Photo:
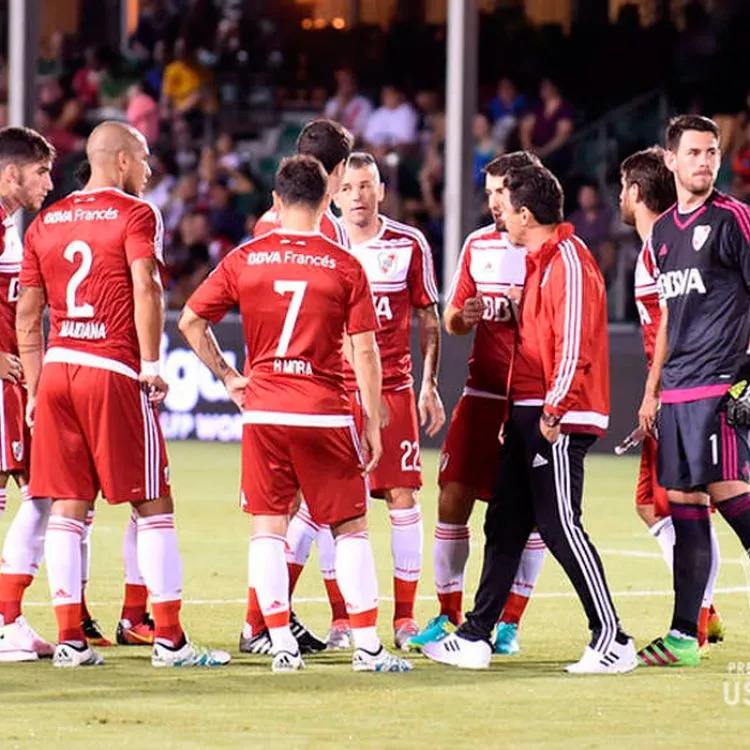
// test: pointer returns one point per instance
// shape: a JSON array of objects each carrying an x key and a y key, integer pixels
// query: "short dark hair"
[
  {"x": 83, "y": 173},
  {"x": 501, "y": 165},
  {"x": 301, "y": 181},
  {"x": 326, "y": 140},
  {"x": 24, "y": 146},
  {"x": 538, "y": 190},
  {"x": 362, "y": 160},
  {"x": 682, "y": 123},
  {"x": 655, "y": 182}
]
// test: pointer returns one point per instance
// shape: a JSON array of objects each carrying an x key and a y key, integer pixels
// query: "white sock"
[
  {"x": 450, "y": 555},
  {"x": 23, "y": 549},
  {"x": 130, "y": 553},
  {"x": 86, "y": 549},
  {"x": 358, "y": 581},
  {"x": 300, "y": 535},
  {"x": 326, "y": 553},
  {"x": 663, "y": 532},
  {"x": 62, "y": 548},
  {"x": 407, "y": 536},
  {"x": 530, "y": 566},
  {"x": 708, "y": 596},
  {"x": 159, "y": 558},
  {"x": 3, "y": 500},
  {"x": 270, "y": 579}
]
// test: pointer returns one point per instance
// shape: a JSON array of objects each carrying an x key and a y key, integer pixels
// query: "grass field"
[{"x": 525, "y": 701}]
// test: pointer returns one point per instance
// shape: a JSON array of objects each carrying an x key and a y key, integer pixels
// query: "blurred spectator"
[
  {"x": 156, "y": 23},
  {"x": 348, "y": 107},
  {"x": 549, "y": 125},
  {"x": 114, "y": 79},
  {"x": 50, "y": 63},
  {"x": 226, "y": 221},
  {"x": 228, "y": 158},
  {"x": 741, "y": 167},
  {"x": 161, "y": 183},
  {"x": 432, "y": 174},
  {"x": 185, "y": 86},
  {"x": 154, "y": 76},
  {"x": 485, "y": 147},
  {"x": 592, "y": 219},
  {"x": 250, "y": 199},
  {"x": 185, "y": 152},
  {"x": 191, "y": 274},
  {"x": 143, "y": 113},
  {"x": 506, "y": 108},
  {"x": 182, "y": 201},
  {"x": 86, "y": 80},
  {"x": 393, "y": 125}
]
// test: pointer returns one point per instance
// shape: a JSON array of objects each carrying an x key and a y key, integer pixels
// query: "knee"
[
  {"x": 455, "y": 504},
  {"x": 402, "y": 498}
]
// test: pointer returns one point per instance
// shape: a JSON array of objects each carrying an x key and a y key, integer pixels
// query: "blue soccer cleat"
[
  {"x": 506, "y": 639},
  {"x": 437, "y": 629}
]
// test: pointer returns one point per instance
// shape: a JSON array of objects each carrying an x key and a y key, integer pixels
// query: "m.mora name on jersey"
[{"x": 680, "y": 283}]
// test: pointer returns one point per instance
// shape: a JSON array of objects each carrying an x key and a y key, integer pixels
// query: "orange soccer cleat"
[
  {"x": 94, "y": 634},
  {"x": 140, "y": 634}
]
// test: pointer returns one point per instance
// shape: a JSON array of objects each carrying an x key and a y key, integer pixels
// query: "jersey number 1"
[
  {"x": 74, "y": 249},
  {"x": 297, "y": 289}
]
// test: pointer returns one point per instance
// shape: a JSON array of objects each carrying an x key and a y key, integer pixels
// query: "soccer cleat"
[
  {"x": 380, "y": 661},
  {"x": 188, "y": 655},
  {"x": 308, "y": 642},
  {"x": 715, "y": 626},
  {"x": 67, "y": 656},
  {"x": 618, "y": 659},
  {"x": 458, "y": 651},
  {"x": 286, "y": 661},
  {"x": 437, "y": 629},
  {"x": 140, "y": 634},
  {"x": 506, "y": 639},
  {"x": 258, "y": 644},
  {"x": 670, "y": 651},
  {"x": 403, "y": 633},
  {"x": 339, "y": 637},
  {"x": 94, "y": 634},
  {"x": 20, "y": 642}
]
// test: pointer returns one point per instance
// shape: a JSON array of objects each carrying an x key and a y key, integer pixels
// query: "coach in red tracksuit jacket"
[{"x": 559, "y": 393}]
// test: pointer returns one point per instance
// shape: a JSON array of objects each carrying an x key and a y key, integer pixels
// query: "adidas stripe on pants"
[{"x": 540, "y": 484}]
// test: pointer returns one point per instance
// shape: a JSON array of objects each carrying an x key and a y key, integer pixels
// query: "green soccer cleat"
[
  {"x": 437, "y": 628},
  {"x": 670, "y": 651},
  {"x": 506, "y": 639},
  {"x": 715, "y": 626}
]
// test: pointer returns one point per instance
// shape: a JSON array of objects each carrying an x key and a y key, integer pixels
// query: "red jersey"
[
  {"x": 298, "y": 293},
  {"x": 398, "y": 263},
  {"x": 11, "y": 252},
  {"x": 330, "y": 226},
  {"x": 79, "y": 250},
  {"x": 562, "y": 355},
  {"x": 488, "y": 266},
  {"x": 647, "y": 298}
]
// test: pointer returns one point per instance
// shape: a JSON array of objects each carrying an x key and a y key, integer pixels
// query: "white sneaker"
[
  {"x": 339, "y": 637},
  {"x": 68, "y": 656},
  {"x": 189, "y": 655},
  {"x": 20, "y": 642},
  {"x": 380, "y": 661},
  {"x": 619, "y": 658},
  {"x": 286, "y": 661},
  {"x": 459, "y": 652}
]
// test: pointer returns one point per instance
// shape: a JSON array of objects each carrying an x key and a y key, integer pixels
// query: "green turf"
[{"x": 524, "y": 701}]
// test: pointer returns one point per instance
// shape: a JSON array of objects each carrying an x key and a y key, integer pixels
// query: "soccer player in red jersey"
[
  {"x": 648, "y": 190},
  {"x": 25, "y": 163},
  {"x": 93, "y": 258},
  {"x": 398, "y": 262},
  {"x": 490, "y": 270},
  {"x": 299, "y": 294}
]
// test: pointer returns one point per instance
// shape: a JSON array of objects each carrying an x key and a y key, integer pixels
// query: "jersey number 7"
[{"x": 297, "y": 289}]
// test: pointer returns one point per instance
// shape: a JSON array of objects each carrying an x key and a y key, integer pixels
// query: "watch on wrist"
[{"x": 551, "y": 420}]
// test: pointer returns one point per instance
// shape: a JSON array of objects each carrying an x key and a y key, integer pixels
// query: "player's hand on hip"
[
  {"x": 647, "y": 412},
  {"x": 10, "y": 368},
  {"x": 235, "y": 385},
  {"x": 472, "y": 311},
  {"x": 431, "y": 410},
  {"x": 155, "y": 386},
  {"x": 372, "y": 445}
]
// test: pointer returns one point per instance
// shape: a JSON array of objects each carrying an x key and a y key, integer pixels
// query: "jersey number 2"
[
  {"x": 74, "y": 249},
  {"x": 297, "y": 289}
]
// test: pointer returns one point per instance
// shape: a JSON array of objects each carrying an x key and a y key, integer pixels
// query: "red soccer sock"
[
  {"x": 254, "y": 617},
  {"x": 336, "y": 600},
  {"x": 12, "y": 589},
  {"x": 167, "y": 626},
  {"x": 295, "y": 571},
  {"x": 69, "y": 628},
  {"x": 134, "y": 604},
  {"x": 451, "y": 605},
  {"x": 515, "y": 605},
  {"x": 405, "y": 596}
]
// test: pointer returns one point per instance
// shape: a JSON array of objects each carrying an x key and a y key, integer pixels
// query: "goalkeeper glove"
[{"x": 736, "y": 402}]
